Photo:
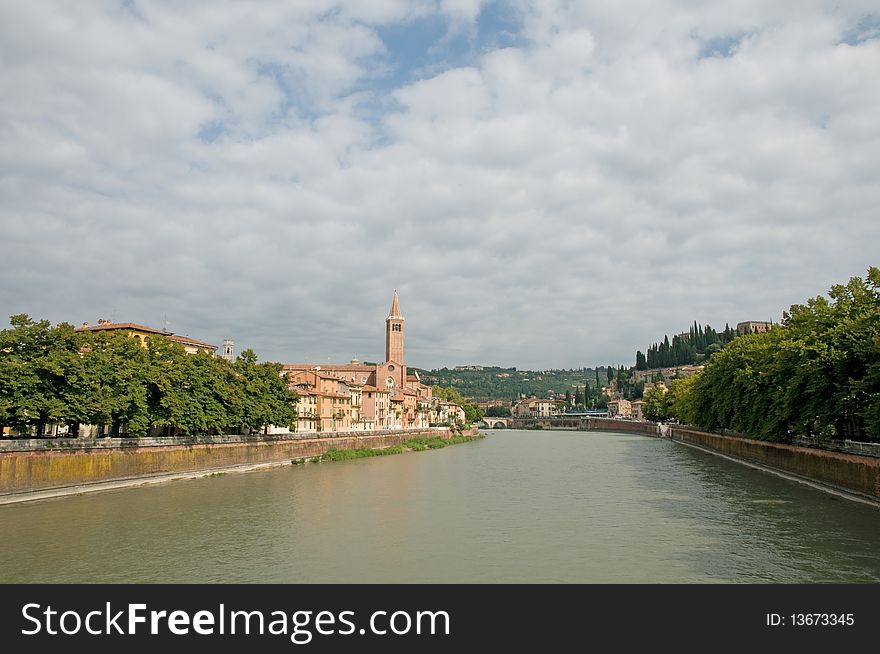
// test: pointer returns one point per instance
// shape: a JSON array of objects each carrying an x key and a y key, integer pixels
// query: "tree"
[
  {"x": 58, "y": 375},
  {"x": 818, "y": 373},
  {"x": 498, "y": 412},
  {"x": 609, "y": 372},
  {"x": 641, "y": 361},
  {"x": 472, "y": 412},
  {"x": 36, "y": 361},
  {"x": 113, "y": 384},
  {"x": 268, "y": 401},
  {"x": 657, "y": 407}
]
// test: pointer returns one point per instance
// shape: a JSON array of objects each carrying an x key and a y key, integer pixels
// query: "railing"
[
  {"x": 848, "y": 447},
  {"x": 43, "y": 444}
]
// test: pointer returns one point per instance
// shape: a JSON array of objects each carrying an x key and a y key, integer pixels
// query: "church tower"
[{"x": 394, "y": 333}]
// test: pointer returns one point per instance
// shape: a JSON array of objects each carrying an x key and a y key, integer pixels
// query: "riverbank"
[
  {"x": 412, "y": 445},
  {"x": 72, "y": 467},
  {"x": 850, "y": 475}
]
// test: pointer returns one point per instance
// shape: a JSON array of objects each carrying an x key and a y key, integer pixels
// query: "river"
[{"x": 519, "y": 506}]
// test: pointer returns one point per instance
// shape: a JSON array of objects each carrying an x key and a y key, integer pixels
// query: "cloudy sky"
[{"x": 547, "y": 184}]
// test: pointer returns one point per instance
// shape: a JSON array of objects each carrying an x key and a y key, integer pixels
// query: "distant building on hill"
[
  {"x": 638, "y": 410},
  {"x": 753, "y": 327},
  {"x": 534, "y": 408},
  {"x": 620, "y": 408}
]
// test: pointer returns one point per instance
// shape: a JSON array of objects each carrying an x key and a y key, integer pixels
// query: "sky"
[{"x": 547, "y": 184}]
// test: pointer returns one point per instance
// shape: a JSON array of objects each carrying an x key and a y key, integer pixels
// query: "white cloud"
[{"x": 246, "y": 169}]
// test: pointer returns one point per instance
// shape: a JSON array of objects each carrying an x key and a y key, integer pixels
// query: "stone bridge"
[{"x": 495, "y": 423}]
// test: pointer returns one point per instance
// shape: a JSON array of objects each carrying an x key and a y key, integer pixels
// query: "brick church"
[{"x": 380, "y": 396}]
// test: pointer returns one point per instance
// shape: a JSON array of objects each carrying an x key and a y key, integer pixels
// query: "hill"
[{"x": 481, "y": 383}]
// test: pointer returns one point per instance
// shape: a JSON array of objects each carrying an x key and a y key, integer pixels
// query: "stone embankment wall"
[
  {"x": 854, "y": 474},
  {"x": 27, "y": 467},
  {"x": 586, "y": 424},
  {"x": 850, "y": 473},
  {"x": 629, "y": 426}
]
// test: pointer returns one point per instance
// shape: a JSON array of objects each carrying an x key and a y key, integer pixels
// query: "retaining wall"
[
  {"x": 32, "y": 470},
  {"x": 850, "y": 473}
]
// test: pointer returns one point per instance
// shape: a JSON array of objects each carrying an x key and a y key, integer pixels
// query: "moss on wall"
[{"x": 55, "y": 468}]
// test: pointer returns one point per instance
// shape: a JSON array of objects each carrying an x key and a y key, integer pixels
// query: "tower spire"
[
  {"x": 394, "y": 334},
  {"x": 395, "y": 307}
]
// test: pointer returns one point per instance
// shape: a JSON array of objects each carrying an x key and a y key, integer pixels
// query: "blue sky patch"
[
  {"x": 211, "y": 131},
  {"x": 866, "y": 29},
  {"x": 721, "y": 47}
]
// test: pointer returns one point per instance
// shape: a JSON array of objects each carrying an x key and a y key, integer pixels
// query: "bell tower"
[{"x": 394, "y": 333}]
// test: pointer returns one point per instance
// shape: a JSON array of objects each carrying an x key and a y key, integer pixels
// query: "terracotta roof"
[
  {"x": 112, "y": 326},
  {"x": 369, "y": 388},
  {"x": 351, "y": 367},
  {"x": 186, "y": 340},
  {"x": 120, "y": 325}
]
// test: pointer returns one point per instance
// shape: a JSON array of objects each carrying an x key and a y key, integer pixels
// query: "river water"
[{"x": 519, "y": 506}]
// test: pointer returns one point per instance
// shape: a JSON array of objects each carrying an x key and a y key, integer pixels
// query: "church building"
[{"x": 389, "y": 397}]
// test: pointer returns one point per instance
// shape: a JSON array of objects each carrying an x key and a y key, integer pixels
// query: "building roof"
[
  {"x": 186, "y": 340},
  {"x": 305, "y": 392},
  {"x": 348, "y": 367},
  {"x": 120, "y": 325},
  {"x": 395, "y": 308}
]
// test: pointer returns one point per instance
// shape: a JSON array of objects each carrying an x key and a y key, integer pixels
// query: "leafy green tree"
[
  {"x": 472, "y": 412},
  {"x": 268, "y": 401},
  {"x": 658, "y": 406},
  {"x": 35, "y": 362},
  {"x": 498, "y": 412},
  {"x": 112, "y": 390},
  {"x": 58, "y": 375},
  {"x": 815, "y": 374}
]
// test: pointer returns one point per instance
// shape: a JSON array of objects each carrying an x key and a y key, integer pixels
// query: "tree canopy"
[
  {"x": 698, "y": 343},
  {"x": 472, "y": 412},
  {"x": 817, "y": 373},
  {"x": 58, "y": 375}
]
